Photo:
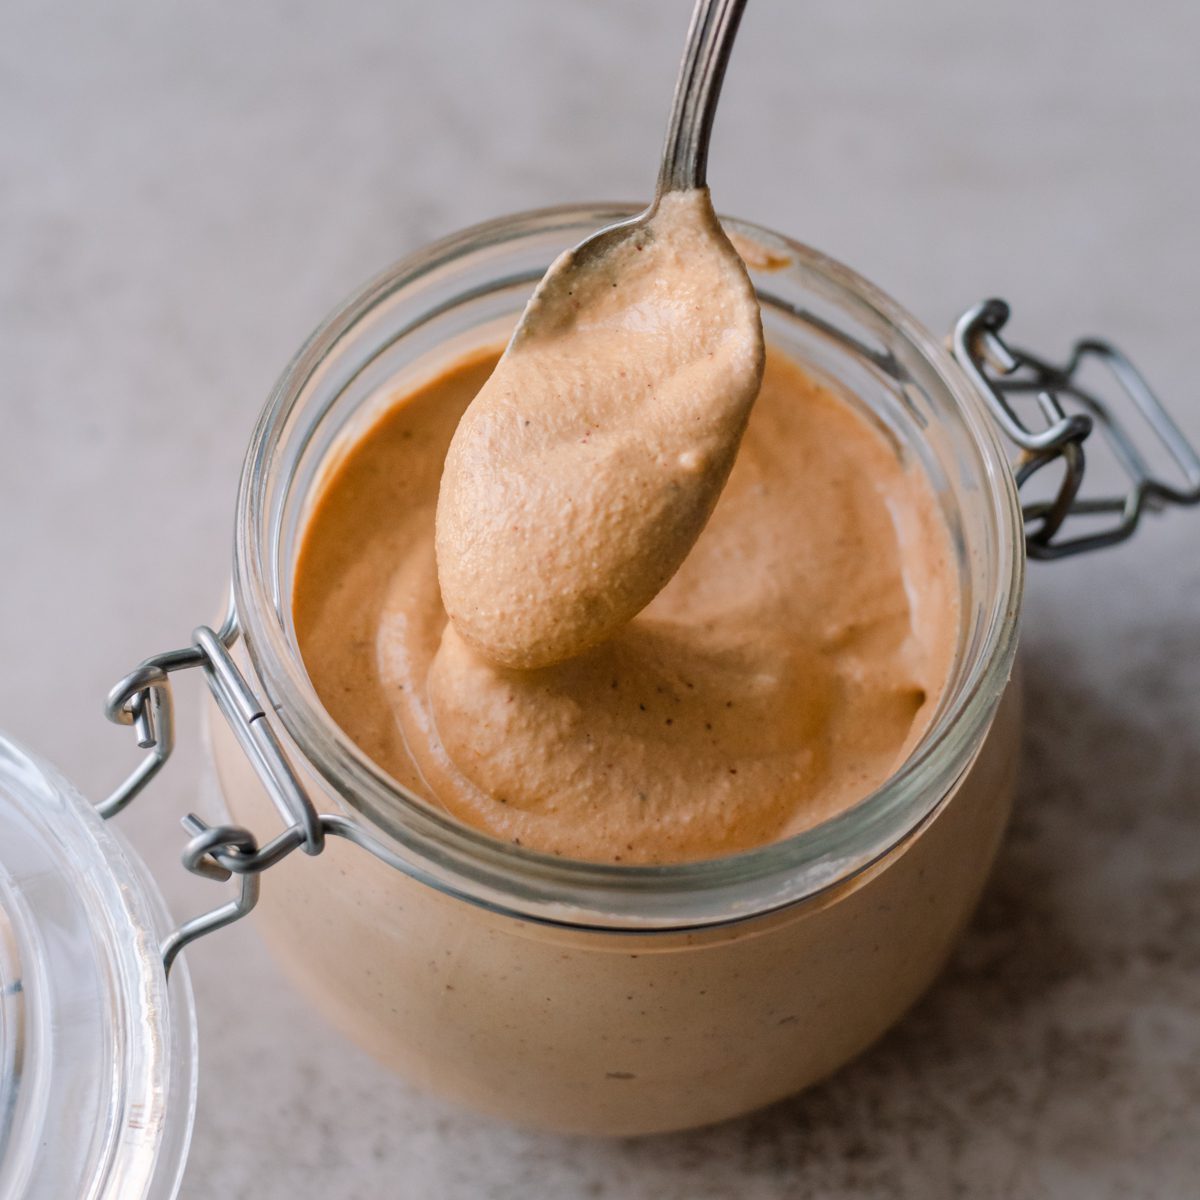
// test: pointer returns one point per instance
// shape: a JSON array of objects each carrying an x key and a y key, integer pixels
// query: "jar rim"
[{"x": 465, "y": 862}]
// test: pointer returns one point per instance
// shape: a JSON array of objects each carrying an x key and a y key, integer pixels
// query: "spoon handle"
[{"x": 710, "y": 39}]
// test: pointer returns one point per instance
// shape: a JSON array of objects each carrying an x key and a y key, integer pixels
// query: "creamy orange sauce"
[
  {"x": 581, "y": 475},
  {"x": 782, "y": 674}
]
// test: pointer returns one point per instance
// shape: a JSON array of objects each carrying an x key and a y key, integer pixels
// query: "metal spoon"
[{"x": 584, "y": 470}]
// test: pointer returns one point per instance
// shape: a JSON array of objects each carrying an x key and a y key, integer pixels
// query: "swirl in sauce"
[{"x": 784, "y": 671}]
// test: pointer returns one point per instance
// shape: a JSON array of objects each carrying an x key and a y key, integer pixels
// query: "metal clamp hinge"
[
  {"x": 143, "y": 699},
  {"x": 1003, "y": 375}
]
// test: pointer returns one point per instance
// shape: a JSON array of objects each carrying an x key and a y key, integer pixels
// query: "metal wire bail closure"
[
  {"x": 143, "y": 699},
  {"x": 1003, "y": 375}
]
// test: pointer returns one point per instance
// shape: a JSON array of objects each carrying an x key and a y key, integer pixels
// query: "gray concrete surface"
[{"x": 186, "y": 189}]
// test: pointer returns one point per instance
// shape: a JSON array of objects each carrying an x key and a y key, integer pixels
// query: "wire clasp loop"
[
  {"x": 143, "y": 699},
  {"x": 1003, "y": 374}
]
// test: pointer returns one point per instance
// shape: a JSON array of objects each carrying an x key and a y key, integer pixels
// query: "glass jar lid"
[{"x": 97, "y": 1050}]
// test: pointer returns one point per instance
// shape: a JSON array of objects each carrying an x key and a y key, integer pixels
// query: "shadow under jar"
[{"x": 601, "y": 998}]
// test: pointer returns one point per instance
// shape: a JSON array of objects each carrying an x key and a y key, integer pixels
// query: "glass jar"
[
  {"x": 97, "y": 1050},
  {"x": 615, "y": 999},
  {"x": 602, "y": 998}
]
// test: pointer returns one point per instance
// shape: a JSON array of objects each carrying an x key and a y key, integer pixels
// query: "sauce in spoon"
[{"x": 583, "y": 472}]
